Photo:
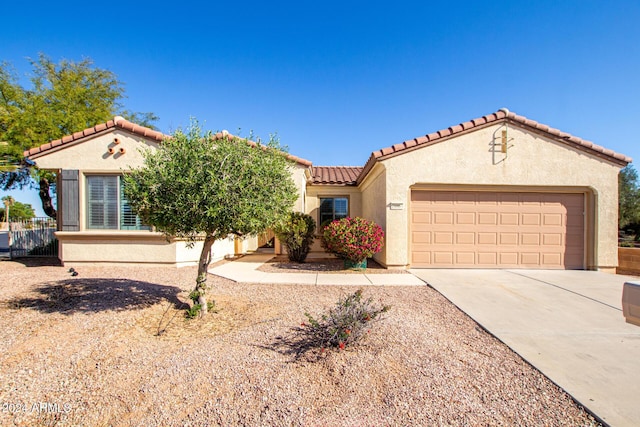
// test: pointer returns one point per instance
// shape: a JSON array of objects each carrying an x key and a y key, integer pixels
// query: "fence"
[{"x": 33, "y": 237}]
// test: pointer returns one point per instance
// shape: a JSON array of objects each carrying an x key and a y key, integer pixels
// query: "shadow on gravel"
[
  {"x": 95, "y": 295},
  {"x": 35, "y": 261},
  {"x": 297, "y": 345}
]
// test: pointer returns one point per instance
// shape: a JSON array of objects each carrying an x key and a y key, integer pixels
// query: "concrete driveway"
[{"x": 568, "y": 324}]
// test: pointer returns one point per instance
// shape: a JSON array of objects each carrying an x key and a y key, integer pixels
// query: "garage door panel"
[
  {"x": 443, "y": 218},
  {"x": 487, "y": 238},
  {"x": 488, "y": 218},
  {"x": 508, "y": 258},
  {"x": 575, "y": 221},
  {"x": 552, "y": 260},
  {"x": 510, "y": 218},
  {"x": 465, "y": 218},
  {"x": 530, "y": 219},
  {"x": 553, "y": 219},
  {"x": 465, "y": 198},
  {"x": 465, "y": 238},
  {"x": 533, "y": 199},
  {"x": 466, "y": 258},
  {"x": 507, "y": 199},
  {"x": 485, "y": 229},
  {"x": 421, "y": 258},
  {"x": 442, "y": 258},
  {"x": 488, "y": 258},
  {"x": 508, "y": 239},
  {"x": 528, "y": 239},
  {"x": 443, "y": 238},
  {"x": 530, "y": 259},
  {"x": 419, "y": 217},
  {"x": 421, "y": 237},
  {"x": 552, "y": 239}
]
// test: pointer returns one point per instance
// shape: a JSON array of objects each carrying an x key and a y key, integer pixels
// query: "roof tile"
[{"x": 335, "y": 175}]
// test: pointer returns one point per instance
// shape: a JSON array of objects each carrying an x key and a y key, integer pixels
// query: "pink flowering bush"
[{"x": 354, "y": 239}]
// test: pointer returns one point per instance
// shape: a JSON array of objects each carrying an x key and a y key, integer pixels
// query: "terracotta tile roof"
[
  {"x": 120, "y": 122},
  {"x": 501, "y": 115},
  {"x": 117, "y": 122},
  {"x": 335, "y": 175}
]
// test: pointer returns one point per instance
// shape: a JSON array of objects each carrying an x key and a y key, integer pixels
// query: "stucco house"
[
  {"x": 499, "y": 191},
  {"x": 95, "y": 222}
]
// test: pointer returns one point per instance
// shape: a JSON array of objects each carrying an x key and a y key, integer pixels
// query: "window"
[
  {"x": 333, "y": 208},
  {"x": 107, "y": 208}
]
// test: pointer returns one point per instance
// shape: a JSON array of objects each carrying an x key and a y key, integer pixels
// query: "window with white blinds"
[{"x": 107, "y": 208}]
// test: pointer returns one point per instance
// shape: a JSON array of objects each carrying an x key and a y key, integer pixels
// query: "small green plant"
[
  {"x": 196, "y": 309},
  {"x": 297, "y": 234},
  {"x": 344, "y": 325}
]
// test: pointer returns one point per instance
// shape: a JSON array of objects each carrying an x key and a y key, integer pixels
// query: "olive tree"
[
  {"x": 60, "y": 99},
  {"x": 202, "y": 186}
]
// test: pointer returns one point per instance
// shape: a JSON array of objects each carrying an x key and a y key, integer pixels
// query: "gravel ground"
[
  {"x": 85, "y": 350},
  {"x": 281, "y": 264}
]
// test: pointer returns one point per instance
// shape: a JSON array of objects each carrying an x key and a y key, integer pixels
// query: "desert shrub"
[
  {"x": 355, "y": 239},
  {"x": 297, "y": 234},
  {"x": 344, "y": 325}
]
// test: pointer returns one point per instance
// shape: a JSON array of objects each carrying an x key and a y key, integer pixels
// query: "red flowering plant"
[
  {"x": 344, "y": 325},
  {"x": 354, "y": 239}
]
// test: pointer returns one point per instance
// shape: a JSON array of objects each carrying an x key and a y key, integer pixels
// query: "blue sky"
[{"x": 338, "y": 80}]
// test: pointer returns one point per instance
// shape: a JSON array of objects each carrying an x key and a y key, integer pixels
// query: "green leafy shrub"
[
  {"x": 196, "y": 309},
  {"x": 344, "y": 325},
  {"x": 355, "y": 239},
  {"x": 297, "y": 234}
]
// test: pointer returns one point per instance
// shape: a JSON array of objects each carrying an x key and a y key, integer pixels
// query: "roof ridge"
[
  {"x": 501, "y": 114},
  {"x": 122, "y": 123},
  {"x": 117, "y": 121}
]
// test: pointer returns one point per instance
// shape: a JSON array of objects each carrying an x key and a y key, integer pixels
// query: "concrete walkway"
[
  {"x": 246, "y": 270},
  {"x": 568, "y": 324}
]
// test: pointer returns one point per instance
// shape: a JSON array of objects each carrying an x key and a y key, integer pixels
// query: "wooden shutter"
[{"x": 70, "y": 201}]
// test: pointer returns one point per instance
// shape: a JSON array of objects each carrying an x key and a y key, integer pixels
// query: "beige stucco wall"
[
  {"x": 531, "y": 160},
  {"x": 312, "y": 202},
  {"x": 374, "y": 203},
  {"x": 124, "y": 248},
  {"x": 300, "y": 180},
  {"x": 92, "y": 154}
]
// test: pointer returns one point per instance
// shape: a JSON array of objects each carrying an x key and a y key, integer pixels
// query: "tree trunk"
[
  {"x": 45, "y": 197},
  {"x": 203, "y": 266}
]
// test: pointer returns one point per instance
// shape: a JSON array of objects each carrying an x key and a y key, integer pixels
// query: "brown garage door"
[{"x": 497, "y": 230}]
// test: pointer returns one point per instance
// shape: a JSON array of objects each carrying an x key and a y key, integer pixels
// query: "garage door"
[{"x": 497, "y": 230}]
